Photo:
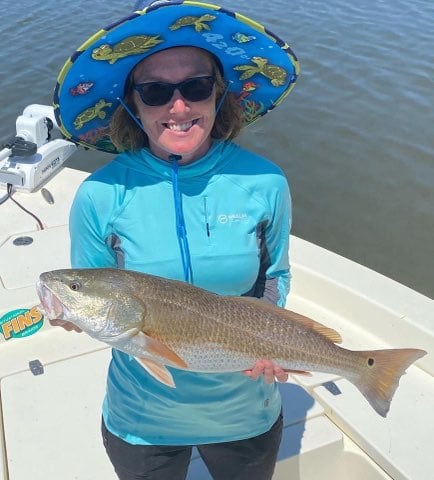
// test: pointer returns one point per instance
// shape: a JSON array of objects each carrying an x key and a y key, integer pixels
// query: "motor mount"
[{"x": 31, "y": 157}]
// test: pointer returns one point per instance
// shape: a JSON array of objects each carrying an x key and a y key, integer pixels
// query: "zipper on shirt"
[{"x": 206, "y": 217}]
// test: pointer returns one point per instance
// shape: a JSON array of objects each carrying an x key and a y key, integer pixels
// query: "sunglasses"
[{"x": 193, "y": 89}]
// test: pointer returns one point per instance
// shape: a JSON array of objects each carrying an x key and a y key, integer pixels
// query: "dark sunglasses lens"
[
  {"x": 160, "y": 93},
  {"x": 156, "y": 93},
  {"x": 197, "y": 89}
]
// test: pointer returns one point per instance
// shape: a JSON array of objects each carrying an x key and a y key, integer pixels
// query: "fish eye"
[{"x": 75, "y": 286}]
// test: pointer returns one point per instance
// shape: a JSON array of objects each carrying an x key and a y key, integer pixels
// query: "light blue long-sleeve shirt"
[{"x": 237, "y": 213}]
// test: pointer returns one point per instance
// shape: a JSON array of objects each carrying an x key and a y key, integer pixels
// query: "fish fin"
[
  {"x": 381, "y": 375},
  {"x": 291, "y": 316},
  {"x": 159, "y": 349},
  {"x": 297, "y": 372},
  {"x": 317, "y": 327},
  {"x": 157, "y": 370}
]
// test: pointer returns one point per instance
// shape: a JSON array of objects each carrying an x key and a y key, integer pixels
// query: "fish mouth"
[{"x": 50, "y": 305}]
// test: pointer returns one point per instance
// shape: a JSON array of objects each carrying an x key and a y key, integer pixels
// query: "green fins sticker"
[{"x": 21, "y": 323}]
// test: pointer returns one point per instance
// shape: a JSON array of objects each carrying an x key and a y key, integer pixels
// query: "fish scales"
[
  {"x": 233, "y": 331},
  {"x": 166, "y": 322}
]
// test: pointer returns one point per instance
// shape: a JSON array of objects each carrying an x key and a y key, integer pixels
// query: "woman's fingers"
[{"x": 269, "y": 370}]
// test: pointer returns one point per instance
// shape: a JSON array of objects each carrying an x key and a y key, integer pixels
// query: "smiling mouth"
[{"x": 181, "y": 127}]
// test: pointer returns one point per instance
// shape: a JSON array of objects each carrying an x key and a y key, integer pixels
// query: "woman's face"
[{"x": 179, "y": 127}]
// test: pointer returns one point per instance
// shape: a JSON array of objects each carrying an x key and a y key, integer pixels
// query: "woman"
[{"x": 170, "y": 87}]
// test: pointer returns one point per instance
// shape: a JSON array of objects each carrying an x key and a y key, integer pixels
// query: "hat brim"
[{"x": 261, "y": 69}]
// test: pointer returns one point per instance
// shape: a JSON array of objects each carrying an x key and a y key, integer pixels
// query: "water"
[{"x": 354, "y": 138}]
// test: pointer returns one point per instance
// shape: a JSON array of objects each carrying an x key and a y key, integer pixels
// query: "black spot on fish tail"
[{"x": 379, "y": 381}]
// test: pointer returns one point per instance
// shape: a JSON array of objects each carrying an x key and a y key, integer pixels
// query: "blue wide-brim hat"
[{"x": 261, "y": 69}]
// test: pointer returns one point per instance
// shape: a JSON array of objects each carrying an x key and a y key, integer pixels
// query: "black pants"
[{"x": 250, "y": 459}]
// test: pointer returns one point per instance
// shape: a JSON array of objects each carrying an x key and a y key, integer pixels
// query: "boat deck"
[{"x": 52, "y": 382}]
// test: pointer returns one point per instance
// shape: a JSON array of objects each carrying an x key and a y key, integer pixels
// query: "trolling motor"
[{"x": 31, "y": 157}]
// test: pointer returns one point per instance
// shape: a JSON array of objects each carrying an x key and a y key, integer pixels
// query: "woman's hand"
[
  {"x": 66, "y": 325},
  {"x": 269, "y": 370}
]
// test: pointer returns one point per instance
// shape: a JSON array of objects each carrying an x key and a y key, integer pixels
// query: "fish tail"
[{"x": 380, "y": 377}]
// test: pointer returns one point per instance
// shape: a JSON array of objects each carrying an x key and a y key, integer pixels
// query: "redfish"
[{"x": 165, "y": 322}]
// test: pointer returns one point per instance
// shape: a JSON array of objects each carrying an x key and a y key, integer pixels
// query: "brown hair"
[{"x": 126, "y": 134}]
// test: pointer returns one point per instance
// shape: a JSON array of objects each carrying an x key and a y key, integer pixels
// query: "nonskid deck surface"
[{"x": 327, "y": 429}]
